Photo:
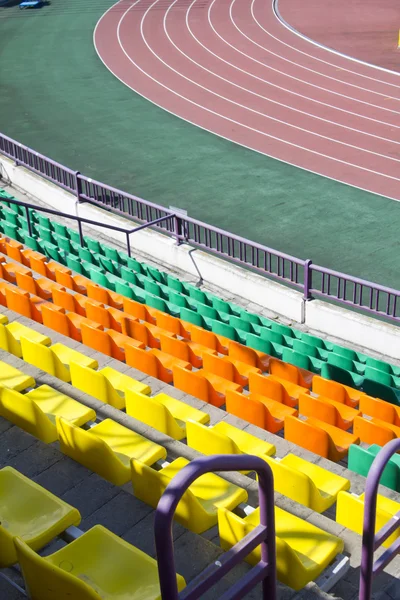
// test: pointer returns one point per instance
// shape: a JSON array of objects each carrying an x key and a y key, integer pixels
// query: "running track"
[{"x": 232, "y": 68}]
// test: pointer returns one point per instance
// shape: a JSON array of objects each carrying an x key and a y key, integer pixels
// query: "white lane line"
[{"x": 192, "y": 122}]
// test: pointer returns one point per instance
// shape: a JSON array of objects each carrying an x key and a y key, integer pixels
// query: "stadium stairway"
[{"x": 23, "y": 449}]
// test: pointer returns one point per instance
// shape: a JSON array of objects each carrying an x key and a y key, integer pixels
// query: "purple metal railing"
[
  {"x": 371, "y": 540},
  {"x": 264, "y": 534},
  {"x": 312, "y": 280}
]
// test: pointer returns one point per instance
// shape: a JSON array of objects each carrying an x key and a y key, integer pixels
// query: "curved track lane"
[{"x": 231, "y": 67}]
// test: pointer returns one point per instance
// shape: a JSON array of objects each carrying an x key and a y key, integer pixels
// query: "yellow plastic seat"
[
  {"x": 303, "y": 550},
  {"x": 12, "y": 378},
  {"x": 11, "y": 334},
  {"x": 306, "y": 483},
  {"x": 107, "y": 385},
  {"x": 350, "y": 513},
  {"x": 3, "y": 320},
  {"x": 224, "y": 438},
  {"x": 197, "y": 510},
  {"x": 107, "y": 448},
  {"x": 56, "y": 359},
  {"x": 31, "y": 512},
  {"x": 98, "y": 565},
  {"x": 163, "y": 412},
  {"x": 36, "y": 411}
]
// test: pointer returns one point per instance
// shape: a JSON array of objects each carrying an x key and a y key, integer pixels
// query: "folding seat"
[
  {"x": 154, "y": 362},
  {"x": 197, "y": 294},
  {"x": 319, "y": 437},
  {"x": 64, "y": 243},
  {"x": 107, "y": 447},
  {"x": 274, "y": 389},
  {"x": 382, "y": 391},
  {"x": 124, "y": 289},
  {"x": 30, "y": 512},
  {"x": 249, "y": 356},
  {"x": 13, "y": 379},
  {"x": 224, "y": 367},
  {"x": 336, "y": 391},
  {"x": 374, "y": 407},
  {"x": 54, "y": 360},
  {"x": 197, "y": 510},
  {"x": 36, "y": 411},
  {"x": 306, "y": 483},
  {"x": 11, "y": 334},
  {"x": 375, "y": 431},
  {"x": 303, "y": 550},
  {"x": 301, "y": 361},
  {"x": 327, "y": 410},
  {"x": 164, "y": 413},
  {"x": 381, "y": 365},
  {"x": 107, "y": 385},
  {"x": 291, "y": 373},
  {"x": 250, "y": 317},
  {"x": 44, "y": 221},
  {"x": 382, "y": 377},
  {"x": 148, "y": 334},
  {"x": 108, "y": 342},
  {"x": 224, "y": 438},
  {"x": 204, "y": 385},
  {"x": 360, "y": 460},
  {"x": 104, "y": 296},
  {"x": 343, "y": 376},
  {"x": 350, "y": 513},
  {"x": 183, "y": 350}
]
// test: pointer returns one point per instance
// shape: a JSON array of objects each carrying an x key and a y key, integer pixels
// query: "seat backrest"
[
  {"x": 379, "y": 376},
  {"x": 295, "y": 358},
  {"x": 55, "y": 319},
  {"x": 25, "y": 281},
  {"x": 148, "y": 410},
  {"x": 243, "y": 354},
  {"x": 207, "y": 441},
  {"x": 191, "y": 383},
  {"x": 96, "y": 339},
  {"x": 174, "y": 347},
  {"x": 284, "y": 370},
  {"x": 241, "y": 324},
  {"x": 266, "y": 386},
  {"x": 307, "y": 435},
  {"x": 142, "y": 360},
  {"x": 291, "y": 483},
  {"x": 272, "y": 336},
  {"x": 348, "y": 353},
  {"x": 338, "y": 374},
  {"x": 19, "y": 409},
  {"x": 341, "y": 361},
  {"x": 245, "y": 408},
  {"x": 330, "y": 389},
  {"x": 313, "y": 407},
  {"x": 374, "y": 407},
  {"x": 225, "y": 330},
  {"x": 18, "y": 301},
  {"x": 304, "y": 348},
  {"x": 97, "y": 312},
  {"x": 89, "y": 381},
  {"x": 379, "y": 364},
  {"x": 38, "y": 355},
  {"x": 372, "y": 433},
  {"x": 283, "y": 329},
  {"x": 380, "y": 390},
  {"x": 46, "y": 581},
  {"x": 219, "y": 366},
  {"x": 203, "y": 337},
  {"x": 313, "y": 340}
]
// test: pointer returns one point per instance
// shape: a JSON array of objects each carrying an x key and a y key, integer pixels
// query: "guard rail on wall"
[
  {"x": 263, "y": 534},
  {"x": 371, "y": 541},
  {"x": 312, "y": 280}
]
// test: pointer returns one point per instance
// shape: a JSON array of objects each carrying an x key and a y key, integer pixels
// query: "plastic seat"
[
  {"x": 36, "y": 411},
  {"x": 154, "y": 362},
  {"x": 344, "y": 376},
  {"x": 382, "y": 377},
  {"x": 108, "y": 342},
  {"x": 23, "y": 303},
  {"x": 382, "y": 366},
  {"x": 375, "y": 431},
  {"x": 97, "y": 565},
  {"x": 275, "y": 389},
  {"x": 224, "y": 367},
  {"x": 360, "y": 460},
  {"x": 30, "y": 512},
  {"x": 185, "y": 350},
  {"x": 11, "y": 334},
  {"x": 56, "y": 359},
  {"x": 374, "y": 407},
  {"x": 258, "y": 410},
  {"x": 75, "y": 303},
  {"x": 336, "y": 391},
  {"x": 350, "y": 513},
  {"x": 319, "y": 437},
  {"x": 303, "y": 550},
  {"x": 306, "y": 482},
  {"x": 291, "y": 373},
  {"x": 197, "y": 510},
  {"x": 104, "y": 296},
  {"x": 164, "y": 413},
  {"x": 302, "y": 361},
  {"x": 204, "y": 337},
  {"x": 382, "y": 391},
  {"x": 12, "y": 378},
  {"x": 107, "y": 385},
  {"x": 204, "y": 385},
  {"x": 327, "y": 410},
  {"x": 107, "y": 448},
  {"x": 224, "y": 438},
  {"x": 249, "y": 356}
]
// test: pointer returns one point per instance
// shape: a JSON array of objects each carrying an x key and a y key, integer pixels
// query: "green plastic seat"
[
  {"x": 250, "y": 317},
  {"x": 329, "y": 371},
  {"x": 85, "y": 254},
  {"x": 10, "y": 216},
  {"x": 304, "y": 348},
  {"x": 53, "y": 252},
  {"x": 228, "y": 331},
  {"x": 23, "y": 222},
  {"x": 175, "y": 284},
  {"x": 60, "y": 229},
  {"x": 381, "y": 377},
  {"x": 136, "y": 266},
  {"x": 193, "y": 317},
  {"x": 180, "y": 300},
  {"x": 255, "y": 342},
  {"x": 224, "y": 306},
  {"x": 32, "y": 243},
  {"x": 156, "y": 275},
  {"x": 114, "y": 255},
  {"x": 283, "y": 329},
  {"x": 208, "y": 311},
  {"x": 107, "y": 264},
  {"x": 129, "y": 275},
  {"x": 301, "y": 360},
  {"x": 11, "y": 230},
  {"x": 94, "y": 245},
  {"x": 73, "y": 235},
  {"x": 313, "y": 340},
  {"x": 74, "y": 264},
  {"x": 45, "y": 234},
  {"x": 272, "y": 336},
  {"x": 382, "y": 391},
  {"x": 197, "y": 294},
  {"x": 360, "y": 460},
  {"x": 383, "y": 366},
  {"x": 123, "y": 288},
  {"x": 240, "y": 324}
]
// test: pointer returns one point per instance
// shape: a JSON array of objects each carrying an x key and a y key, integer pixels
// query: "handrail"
[
  {"x": 313, "y": 280},
  {"x": 370, "y": 540},
  {"x": 264, "y": 534}
]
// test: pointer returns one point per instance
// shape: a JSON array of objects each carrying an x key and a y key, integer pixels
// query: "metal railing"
[
  {"x": 313, "y": 280},
  {"x": 371, "y": 541},
  {"x": 263, "y": 534}
]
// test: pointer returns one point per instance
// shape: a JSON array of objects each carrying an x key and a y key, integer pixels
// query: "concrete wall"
[{"x": 316, "y": 314}]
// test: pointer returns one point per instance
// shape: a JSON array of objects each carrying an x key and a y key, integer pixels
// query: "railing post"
[
  {"x": 128, "y": 244},
  {"x": 307, "y": 279},
  {"x": 78, "y": 185},
  {"x": 178, "y": 229},
  {"x": 28, "y": 218}
]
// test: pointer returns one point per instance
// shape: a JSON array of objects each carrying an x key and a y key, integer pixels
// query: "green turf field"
[{"x": 57, "y": 97}]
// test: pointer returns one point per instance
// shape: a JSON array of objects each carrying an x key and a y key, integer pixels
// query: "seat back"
[
  {"x": 292, "y": 483},
  {"x": 225, "y": 330},
  {"x": 26, "y": 282},
  {"x": 191, "y": 383},
  {"x": 370, "y": 432},
  {"x": 203, "y": 337},
  {"x": 330, "y": 389},
  {"x": 268, "y": 387},
  {"x": 55, "y": 319},
  {"x": 374, "y": 407},
  {"x": 142, "y": 360},
  {"x": 307, "y": 435},
  {"x": 379, "y": 364},
  {"x": 379, "y": 376},
  {"x": 207, "y": 441},
  {"x": 313, "y": 407},
  {"x": 245, "y": 408},
  {"x": 39, "y": 356},
  {"x": 18, "y": 301},
  {"x": 380, "y": 390},
  {"x": 295, "y": 358},
  {"x": 96, "y": 339},
  {"x": 19, "y": 409},
  {"x": 174, "y": 347},
  {"x": 243, "y": 354},
  {"x": 360, "y": 461},
  {"x": 148, "y": 410},
  {"x": 219, "y": 366},
  {"x": 257, "y": 343},
  {"x": 98, "y": 313},
  {"x": 89, "y": 381},
  {"x": 338, "y": 374},
  {"x": 46, "y": 581},
  {"x": 304, "y": 348},
  {"x": 284, "y": 370}
]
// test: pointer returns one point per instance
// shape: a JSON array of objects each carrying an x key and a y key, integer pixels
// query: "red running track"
[{"x": 232, "y": 68}]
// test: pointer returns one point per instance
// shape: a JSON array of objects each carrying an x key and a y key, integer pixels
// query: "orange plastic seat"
[
  {"x": 374, "y": 431},
  {"x": 26, "y": 282},
  {"x": 183, "y": 350},
  {"x": 140, "y": 311},
  {"x": 204, "y": 385},
  {"x": 336, "y": 391},
  {"x": 100, "y": 294},
  {"x": 272, "y": 388},
  {"x": 291, "y": 373},
  {"x": 169, "y": 323},
  {"x": 327, "y": 410},
  {"x": 276, "y": 412},
  {"x": 154, "y": 362},
  {"x": 35, "y": 261},
  {"x": 374, "y": 407},
  {"x": 244, "y": 407},
  {"x": 247, "y": 355},
  {"x": 75, "y": 303},
  {"x": 319, "y": 437},
  {"x": 55, "y": 318},
  {"x": 108, "y": 342},
  {"x": 10, "y": 271},
  {"x": 121, "y": 322},
  {"x": 224, "y": 367},
  {"x": 201, "y": 336},
  {"x": 13, "y": 249},
  {"x": 63, "y": 276},
  {"x": 24, "y": 303}
]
